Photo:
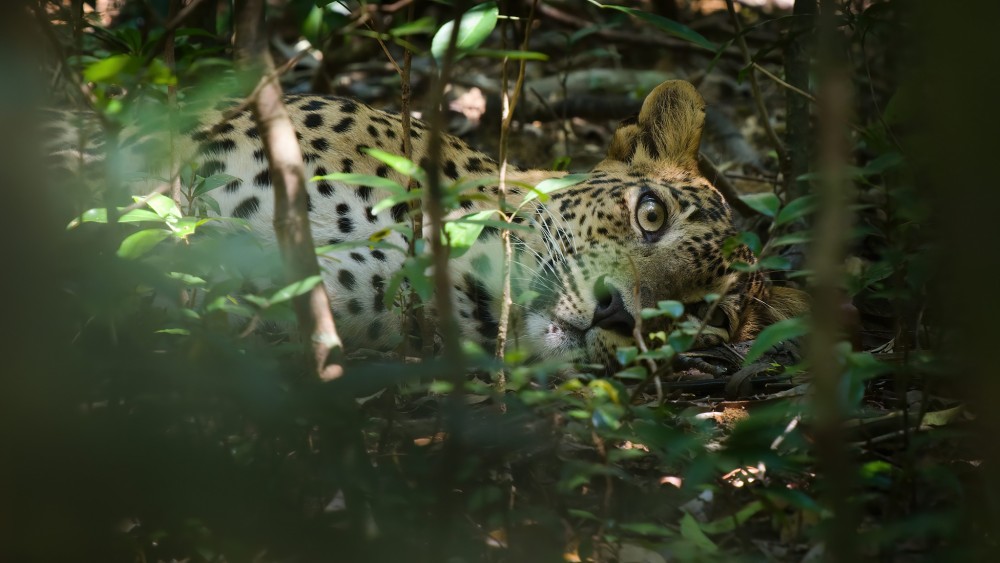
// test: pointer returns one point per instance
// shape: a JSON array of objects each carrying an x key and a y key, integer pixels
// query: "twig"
[
  {"x": 509, "y": 105},
  {"x": 291, "y": 216},
  {"x": 725, "y": 187},
  {"x": 758, "y": 99},
  {"x": 626, "y": 37},
  {"x": 784, "y": 84},
  {"x": 433, "y": 202}
]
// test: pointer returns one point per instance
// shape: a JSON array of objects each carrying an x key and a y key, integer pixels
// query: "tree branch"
[{"x": 291, "y": 214}]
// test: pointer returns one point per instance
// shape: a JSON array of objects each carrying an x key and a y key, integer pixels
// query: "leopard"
[{"x": 642, "y": 227}]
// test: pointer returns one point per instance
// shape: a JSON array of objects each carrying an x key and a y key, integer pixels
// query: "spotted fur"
[{"x": 588, "y": 256}]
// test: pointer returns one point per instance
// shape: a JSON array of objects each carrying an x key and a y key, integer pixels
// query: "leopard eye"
[{"x": 650, "y": 214}]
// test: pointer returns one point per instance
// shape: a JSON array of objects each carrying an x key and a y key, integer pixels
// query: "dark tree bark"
[
  {"x": 797, "y": 131},
  {"x": 826, "y": 260},
  {"x": 291, "y": 214}
]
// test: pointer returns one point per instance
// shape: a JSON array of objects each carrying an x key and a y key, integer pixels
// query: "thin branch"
[
  {"x": 291, "y": 214},
  {"x": 725, "y": 187},
  {"x": 509, "y": 105},
  {"x": 784, "y": 84},
  {"x": 765, "y": 119},
  {"x": 628, "y": 37}
]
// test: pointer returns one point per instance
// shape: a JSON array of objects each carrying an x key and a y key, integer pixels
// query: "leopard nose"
[{"x": 610, "y": 313}]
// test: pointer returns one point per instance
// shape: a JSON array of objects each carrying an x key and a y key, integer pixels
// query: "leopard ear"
[{"x": 666, "y": 131}]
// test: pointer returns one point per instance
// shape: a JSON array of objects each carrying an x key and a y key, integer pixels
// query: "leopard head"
[{"x": 645, "y": 226}]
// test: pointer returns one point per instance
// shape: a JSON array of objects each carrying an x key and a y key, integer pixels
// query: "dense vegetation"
[{"x": 158, "y": 408}]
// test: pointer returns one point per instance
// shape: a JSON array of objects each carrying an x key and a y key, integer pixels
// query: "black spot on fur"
[
  {"x": 233, "y": 185},
  {"x": 345, "y": 224},
  {"x": 262, "y": 179},
  {"x": 320, "y": 144},
  {"x": 313, "y": 105},
  {"x": 365, "y": 193},
  {"x": 481, "y": 297},
  {"x": 253, "y": 132},
  {"x": 379, "y": 255},
  {"x": 382, "y": 171},
  {"x": 259, "y": 156},
  {"x": 379, "y": 284},
  {"x": 324, "y": 187},
  {"x": 474, "y": 165},
  {"x": 354, "y": 307},
  {"x": 211, "y": 167},
  {"x": 450, "y": 170},
  {"x": 223, "y": 128},
  {"x": 310, "y": 157},
  {"x": 371, "y": 216},
  {"x": 343, "y": 125},
  {"x": 218, "y": 146},
  {"x": 343, "y": 209},
  {"x": 346, "y": 279},
  {"x": 358, "y": 257},
  {"x": 348, "y": 106},
  {"x": 398, "y": 212},
  {"x": 246, "y": 208},
  {"x": 313, "y": 120},
  {"x": 346, "y": 165}
]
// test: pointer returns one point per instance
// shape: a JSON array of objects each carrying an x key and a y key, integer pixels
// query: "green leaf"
[
  {"x": 100, "y": 215},
  {"x": 177, "y": 331},
  {"x": 797, "y": 208},
  {"x": 751, "y": 240},
  {"x": 690, "y": 530},
  {"x": 882, "y": 163},
  {"x": 212, "y": 182},
  {"x": 776, "y": 263},
  {"x": 802, "y": 237},
  {"x": 778, "y": 332},
  {"x": 422, "y": 25},
  {"x": 294, "y": 290},
  {"x": 730, "y": 522},
  {"x": 363, "y": 180},
  {"x": 635, "y": 372},
  {"x": 545, "y": 187},
  {"x": 162, "y": 205},
  {"x": 512, "y": 55},
  {"x": 475, "y": 27},
  {"x": 673, "y": 309},
  {"x": 400, "y": 164},
  {"x": 462, "y": 233},
  {"x": 765, "y": 203},
  {"x": 108, "y": 69},
  {"x": 186, "y": 279},
  {"x": 647, "y": 529},
  {"x": 137, "y": 244},
  {"x": 670, "y": 26},
  {"x": 393, "y": 200},
  {"x": 626, "y": 354}
]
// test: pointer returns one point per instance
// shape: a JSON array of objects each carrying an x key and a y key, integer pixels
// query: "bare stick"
[
  {"x": 765, "y": 119},
  {"x": 509, "y": 104},
  {"x": 434, "y": 208},
  {"x": 725, "y": 187},
  {"x": 291, "y": 215}
]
